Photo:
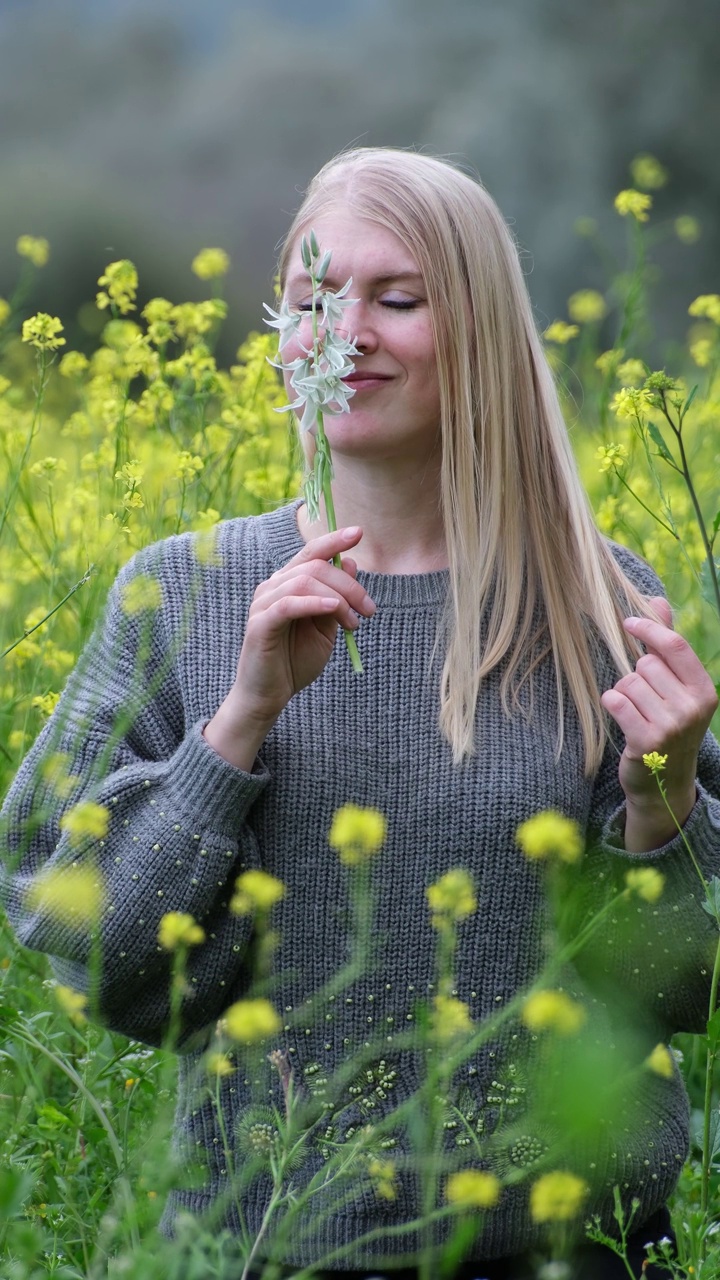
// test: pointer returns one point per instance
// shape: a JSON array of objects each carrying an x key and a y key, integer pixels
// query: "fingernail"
[
  {"x": 633, "y": 620},
  {"x": 368, "y": 604},
  {"x": 352, "y": 531}
]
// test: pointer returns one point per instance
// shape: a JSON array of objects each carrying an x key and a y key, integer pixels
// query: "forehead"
[{"x": 360, "y": 248}]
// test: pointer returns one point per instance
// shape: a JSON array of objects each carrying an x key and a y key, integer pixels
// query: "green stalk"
[{"x": 707, "y": 1107}]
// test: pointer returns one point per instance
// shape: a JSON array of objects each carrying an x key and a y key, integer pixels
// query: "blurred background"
[{"x": 149, "y": 129}]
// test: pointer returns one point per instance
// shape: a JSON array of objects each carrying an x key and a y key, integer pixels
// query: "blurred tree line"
[{"x": 149, "y": 131}]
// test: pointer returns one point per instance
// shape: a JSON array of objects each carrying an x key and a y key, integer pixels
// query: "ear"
[{"x": 662, "y": 609}]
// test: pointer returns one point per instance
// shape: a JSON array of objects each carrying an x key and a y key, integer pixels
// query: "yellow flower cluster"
[
  {"x": 706, "y": 305},
  {"x": 654, "y": 761},
  {"x": 557, "y": 1197},
  {"x": 660, "y": 1061},
  {"x": 587, "y": 306},
  {"x": 382, "y": 1175},
  {"x": 119, "y": 284},
  {"x": 179, "y": 929},
  {"x": 43, "y": 331},
  {"x": 473, "y": 1189},
  {"x": 450, "y": 1018},
  {"x": 561, "y": 332},
  {"x": 73, "y": 1003},
  {"x": 86, "y": 820},
  {"x": 72, "y": 895},
  {"x": 142, "y": 594},
  {"x": 646, "y": 882},
  {"x": 251, "y": 1021},
  {"x": 357, "y": 833},
  {"x": 208, "y": 264},
  {"x": 452, "y": 897},
  {"x": 256, "y": 890},
  {"x": 35, "y": 248},
  {"x": 633, "y": 203},
  {"x": 611, "y": 455},
  {"x": 553, "y": 1011},
  {"x": 550, "y": 835},
  {"x": 647, "y": 172}
]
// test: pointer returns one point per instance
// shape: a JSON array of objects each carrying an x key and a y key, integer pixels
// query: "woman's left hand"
[{"x": 664, "y": 705}]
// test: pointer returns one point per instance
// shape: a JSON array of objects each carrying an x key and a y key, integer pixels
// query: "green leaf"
[
  {"x": 712, "y": 899},
  {"x": 690, "y": 399},
  {"x": 659, "y": 443}
]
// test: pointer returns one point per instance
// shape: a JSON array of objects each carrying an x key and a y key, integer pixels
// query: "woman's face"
[{"x": 395, "y": 410}]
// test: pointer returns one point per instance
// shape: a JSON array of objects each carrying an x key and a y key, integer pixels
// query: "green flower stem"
[{"x": 712, "y": 1052}]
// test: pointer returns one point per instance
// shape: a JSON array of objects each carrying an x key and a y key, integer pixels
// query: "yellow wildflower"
[
  {"x": 204, "y": 521},
  {"x": 654, "y": 761},
  {"x": 382, "y": 1173},
  {"x": 560, "y": 332},
  {"x": 608, "y": 361},
  {"x": 611, "y": 455},
  {"x": 73, "y": 364},
  {"x": 708, "y": 305},
  {"x": 660, "y": 1061},
  {"x": 54, "y": 771},
  {"x": 46, "y": 466},
  {"x": 647, "y": 172},
  {"x": 73, "y": 1003},
  {"x": 452, "y": 897},
  {"x": 46, "y": 702},
  {"x": 587, "y": 306},
  {"x": 118, "y": 286},
  {"x": 131, "y": 473},
  {"x": 557, "y": 1197},
  {"x": 548, "y": 835},
  {"x": 646, "y": 882},
  {"x": 43, "y": 331},
  {"x": 553, "y": 1011},
  {"x": 702, "y": 351},
  {"x": 629, "y": 402},
  {"x": 250, "y": 1021},
  {"x": 211, "y": 263},
  {"x": 218, "y": 1064},
  {"x": 635, "y": 203},
  {"x": 5, "y": 310},
  {"x": 187, "y": 466},
  {"x": 140, "y": 594},
  {"x": 71, "y": 894},
  {"x": 179, "y": 929},
  {"x": 631, "y": 373},
  {"x": 86, "y": 819},
  {"x": 687, "y": 229},
  {"x": 256, "y": 891},
  {"x": 357, "y": 833},
  {"x": 450, "y": 1018},
  {"x": 473, "y": 1189},
  {"x": 34, "y": 248}
]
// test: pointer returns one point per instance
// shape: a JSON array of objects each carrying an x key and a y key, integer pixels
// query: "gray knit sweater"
[{"x": 184, "y": 823}]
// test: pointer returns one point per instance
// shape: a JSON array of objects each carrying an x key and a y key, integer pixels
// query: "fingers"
[
  {"x": 662, "y": 606},
  {"x": 671, "y": 648},
  {"x": 312, "y": 589},
  {"x": 328, "y": 545}
]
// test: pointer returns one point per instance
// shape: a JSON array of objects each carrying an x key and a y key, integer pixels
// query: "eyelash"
[{"x": 406, "y": 305}]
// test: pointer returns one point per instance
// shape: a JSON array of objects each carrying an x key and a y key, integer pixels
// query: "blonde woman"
[{"x": 514, "y": 662}]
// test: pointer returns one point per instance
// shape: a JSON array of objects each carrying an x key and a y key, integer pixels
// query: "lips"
[{"x": 367, "y": 375}]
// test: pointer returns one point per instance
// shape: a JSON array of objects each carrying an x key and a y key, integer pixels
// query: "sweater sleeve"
[
  {"x": 660, "y": 953},
  {"x": 178, "y": 831}
]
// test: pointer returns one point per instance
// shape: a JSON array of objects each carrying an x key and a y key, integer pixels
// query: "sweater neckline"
[{"x": 282, "y": 541}]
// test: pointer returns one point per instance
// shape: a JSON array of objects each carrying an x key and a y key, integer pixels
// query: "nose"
[{"x": 357, "y": 324}]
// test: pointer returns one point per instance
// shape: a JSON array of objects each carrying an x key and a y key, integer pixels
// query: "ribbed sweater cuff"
[
  {"x": 203, "y": 782},
  {"x": 701, "y": 830}
]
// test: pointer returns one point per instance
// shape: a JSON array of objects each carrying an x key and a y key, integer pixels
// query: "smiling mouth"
[{"x": 367, "y": 376}]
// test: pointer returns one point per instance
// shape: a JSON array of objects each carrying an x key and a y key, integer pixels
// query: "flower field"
[{"x": 140, "y": 435}]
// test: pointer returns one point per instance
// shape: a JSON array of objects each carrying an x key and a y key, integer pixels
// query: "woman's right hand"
[{"x": 290, "y": 634}]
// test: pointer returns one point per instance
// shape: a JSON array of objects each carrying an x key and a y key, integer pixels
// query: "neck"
[{"x": 399, "y": 515}]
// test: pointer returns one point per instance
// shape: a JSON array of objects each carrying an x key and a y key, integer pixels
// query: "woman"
[{"x": 491, "y": 619}]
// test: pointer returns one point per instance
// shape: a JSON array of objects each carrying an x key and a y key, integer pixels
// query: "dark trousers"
[{"x": 590, "y": 1262}]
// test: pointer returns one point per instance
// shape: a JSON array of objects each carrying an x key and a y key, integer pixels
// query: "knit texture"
[{"x": 185, "y": 823}]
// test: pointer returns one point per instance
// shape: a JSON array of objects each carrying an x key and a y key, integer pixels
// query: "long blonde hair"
[{"x": 521, "y": 539}]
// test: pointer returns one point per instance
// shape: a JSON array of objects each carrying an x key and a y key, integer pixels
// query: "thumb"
[{"x": 662, "y": 609}]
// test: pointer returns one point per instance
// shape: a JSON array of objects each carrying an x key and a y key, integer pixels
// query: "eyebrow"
[{"x": 387, "y": 277}]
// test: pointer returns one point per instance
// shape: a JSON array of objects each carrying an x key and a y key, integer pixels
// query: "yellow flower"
[
  {"x": 73, "y": 364},
  {"x": 73, "y": 1003},
  {"x": 54, "y": 771},
  {"x": 553, "y": 1011},
  {"x": 42, "y": 331},
  {"x": 452, "y": 897},
  {"x": 4, "y": 310},
  {"x": 251, "y": 1020},
  {"x": 119, "y": 286},
  {"x": 473, "y": 1189},
  {"x": 131, "y": 473},
  {"x": 646, "y": 882},
  {"x": 708, "y": 305},
  {"x": 211, "y": 263},
  {"x": 357, "y": 833},
  {"x": 560, "y": 332},
  {"x": 557, "y": 1197},
  {"x": 179, "y": 929},
  {"x": 382, "y": 1173},
  {"x": 140, "y": 594},
  {"x": 702, "y": 351},
  {"x": 218, "y": 1064},
  {"x": 450, "y": 1018},
  {"x": 647, "y": 172},
  {"x": 611, "y": 455},
  {"x": 187, "y": 465},
  {"x": 34, "y": 248},
  {"x": 549, "y": 835},
  {"x": 629, "y": 402},
  {"x": 86, "y": 819},
  {"x": 256, "y": 891},
  {"x": 46, "y": 702},
  {"x": 654, "y": 761},
  {"x": 72, "y": 895},
  {"x": 632, "y": 372},
  {"x": 635, "y": 203},
  {"x": 687, "y": 229},
  {"x": 660, "y": 1061},
  {"x": 587, "y": 306}
]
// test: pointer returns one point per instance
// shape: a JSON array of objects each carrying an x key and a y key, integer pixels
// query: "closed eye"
[{"x": 397, "y": 304}]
